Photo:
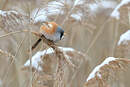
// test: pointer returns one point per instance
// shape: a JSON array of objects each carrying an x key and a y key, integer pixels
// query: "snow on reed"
[
  {"x": 97, "y": 7},
  {"x": 36, "y": 59},
  {"x": 55, "y": 8},
  {"x": 5, "y": 13},
  {"x": 116, "y": 13},
  {"x": 77, "y": 16},
  {"x": 124, "y": 38},
  {"x": 97, "y": 68}
]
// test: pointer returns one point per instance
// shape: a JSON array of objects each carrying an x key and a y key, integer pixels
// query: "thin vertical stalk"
[
  {"x": 115, "y": 36},
  {"x": 97, "y": 35}
]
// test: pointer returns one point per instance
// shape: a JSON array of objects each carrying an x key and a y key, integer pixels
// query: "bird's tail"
[{"x": 34, "y": 46}]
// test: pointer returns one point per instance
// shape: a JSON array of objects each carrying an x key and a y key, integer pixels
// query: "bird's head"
[{"x": 52, "y": 28}]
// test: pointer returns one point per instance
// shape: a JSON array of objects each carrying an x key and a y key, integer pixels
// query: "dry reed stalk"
[
  {"x": 106, "y": 71},
  {"x": 11, "y": 60},
  {"x": 129, "y": 14},
  {"x": 96, "y": 36},
  {"x": 13, "y": 22},
  {"x": 59, "y": 74},
  {"x": 16, "y": 32},
  {"x": 30, "y": 55},
  {"x": 11, "y": 57},
  {"x": 115, "y": 28},
  {"x": 5, "y": 4},
  {"x": 16, "y": 55},
  {"x": 15, "y": 60},
  {"x": 101, "y": 29}
]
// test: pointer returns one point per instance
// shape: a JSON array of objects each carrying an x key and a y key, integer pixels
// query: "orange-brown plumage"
[{"x": 49, "y": 30}]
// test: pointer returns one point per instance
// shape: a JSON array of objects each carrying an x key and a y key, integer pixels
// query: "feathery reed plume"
[
  {"x": 55, "y": 10},
  {"x": 107, "y": 70},
  {"x": 123, "y": 45},
  {"x": 46, "y": 63},
  {"x": 42, "y": 61},
  {"x": 13, "y": 20},
  {"x": 61, "y": 61}
]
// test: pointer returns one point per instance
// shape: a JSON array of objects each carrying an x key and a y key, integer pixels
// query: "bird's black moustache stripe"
[{"x": 62, "y": 33}]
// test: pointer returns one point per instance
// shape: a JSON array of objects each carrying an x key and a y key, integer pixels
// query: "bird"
[{"x": 51, "y": 31}]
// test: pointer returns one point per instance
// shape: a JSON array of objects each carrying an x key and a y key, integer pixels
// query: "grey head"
[{"x": 61, "y": 31}]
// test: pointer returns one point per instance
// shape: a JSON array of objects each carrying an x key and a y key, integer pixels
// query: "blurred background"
[{"x": 89, "y": 24}]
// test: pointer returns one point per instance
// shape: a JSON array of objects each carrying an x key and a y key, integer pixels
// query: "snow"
[
  {"x": 55, "y": 3},
  {"x": 95, "y": 7},
  {"x": 108, "y": 4},
  {"x": 78, "y": 2},
  {"x": 53, "y": 11},
  {"x": 54, "y": 8},
  {"x": 4, "y": 13},
  {"x": 116, "y": 13},
  {"x": 124, "y": 38},
  {"x": 36, "y": 59},
  {"x": 77, "y": 16},
  {"x": 66, "y": 49},
  {"x": 39, "y": 15},
  {"x": 97, "y": 68}
]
